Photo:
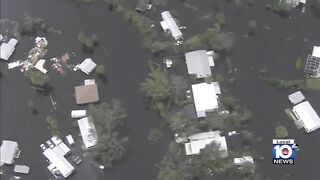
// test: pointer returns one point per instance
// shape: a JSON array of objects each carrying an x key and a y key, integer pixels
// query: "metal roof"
[
  {"x": 173, "y": 27},
  {"x": 296, "y": 97},
  {"x": 307, "y": 115},
  {"x": 88, "y": 131},
  {"x": 8, "y": 150},
  {"x": 312, "y": 65},
  {"x": 205, "y": 98},
  {"x": 198, "y": 63}
]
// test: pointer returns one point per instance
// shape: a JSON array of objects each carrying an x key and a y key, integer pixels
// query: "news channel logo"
[{"x": 283, "y": 151}]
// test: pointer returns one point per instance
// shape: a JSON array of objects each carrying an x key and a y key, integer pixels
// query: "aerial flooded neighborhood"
[{"x": 160, "y": 89}]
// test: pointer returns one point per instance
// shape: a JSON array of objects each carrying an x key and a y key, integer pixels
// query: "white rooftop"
[
  {"x": 88, "y": 132},
  {"x": 8, "y": 151},
  {"x": 87, "y": 66},
  {"x": 307, "y": 116},
  {"x": 296, "y": 97},
  {"x": 205, "y": 98},
  {"x": 169, "y": 23},
  {"x": 58, "y": 161},
  {"x": 78, "y": 113},
  {"x": 21, "y": 169},
  {"x": 199, "y": 63},
  {"x": 7, "y": 49},
  {"x": 316, "y": 51},
  {"x": 194, "y": 147},
  {"x": 39, "y": 66},
  {"x": 244, "y": 159}
]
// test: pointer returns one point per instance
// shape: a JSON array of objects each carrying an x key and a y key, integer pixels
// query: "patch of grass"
[
  {"x": 154, "y": 135},
  {"x": 299, "y": 63},
  {"x": 53, "y": 123},
  {"x": 281, "y": 132}
]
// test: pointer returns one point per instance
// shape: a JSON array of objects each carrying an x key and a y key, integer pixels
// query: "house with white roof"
[
  {"x": 169, "y": 25},
  {"x": 9, "y": 151},
  {"x": 197, "y": 142},
  {"x": 87, "y": 66},
  {"x": 88, "y": 131},
  {"x": 7, "y": 49},
  {"x": 58, "y": 162},
  {"x": 199, "y": 63},
  {"x": 307, "y": 116},
  {"x": 205, "y": 97}
]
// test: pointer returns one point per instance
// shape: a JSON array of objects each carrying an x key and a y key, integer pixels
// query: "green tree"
[
  {"x": 154, "y": 135},
  {"x": 54, "y": 126},
  {"x": 281, "y": 131},
  {"x": 315, "y": 7},
  {"x": 36, "y": 77},
  {"x": 100, "y": 70},
  {"x": 174, "y": 164},
  {"x": 108, "y": 115},
  {"x": 88, "y": 42}
]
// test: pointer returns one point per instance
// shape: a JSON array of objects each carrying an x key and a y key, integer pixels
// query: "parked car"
[
  {"x": 76, "y": 159},
  {"x": 43, "y": 147}
]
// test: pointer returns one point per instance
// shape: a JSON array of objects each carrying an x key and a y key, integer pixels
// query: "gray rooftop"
[{"x": 198, "y": 63}]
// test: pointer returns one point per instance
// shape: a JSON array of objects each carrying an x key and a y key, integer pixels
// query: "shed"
[
  {"x": 170, "y": 24},
  {"x": 296, "y": 97},
  {"x": 21, "y": 169}
]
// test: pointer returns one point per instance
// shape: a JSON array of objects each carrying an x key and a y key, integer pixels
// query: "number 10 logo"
[{"x": 283, "y": 154}]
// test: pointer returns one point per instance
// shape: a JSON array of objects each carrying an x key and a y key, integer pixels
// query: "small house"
[
  {"x": 199, "y": 63},
  {"x": 169, "y": 25},
  {"x": 205, "y": 97},
  {"x": 87, "y": 94},
  {"x": 7, "y": 49},
  {"x": 199, "y": 141},
  {"x": 307, "y": 116},
  {"x": 9, "y": 151},
  {"x": 87, "y": 66},
  {"x": 78, "y": 113},
  {"x": 88, "y": 132}
]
